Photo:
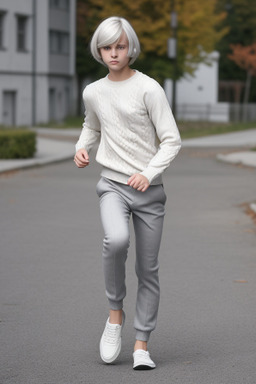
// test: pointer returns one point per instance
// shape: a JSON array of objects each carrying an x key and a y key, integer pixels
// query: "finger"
[
  {"x": 77, "y": 161},
  {"x": 80, "y": 164},
  {"x": 140, "y": 187},
  {"x": 130, "y": 180},
  {"x": 82, "y": 159},
  {"x": 136, "y": 184},
  {"x": 144, "y": 188},
  {"x": 132, "y": 183}
]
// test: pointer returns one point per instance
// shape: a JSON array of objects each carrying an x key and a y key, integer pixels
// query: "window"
[
  {"x": 2, "y": 14},
  {"x": 59, "y": 42},
  {"x": 21, "y": 33},
  {"x": 60, "y": 4}
]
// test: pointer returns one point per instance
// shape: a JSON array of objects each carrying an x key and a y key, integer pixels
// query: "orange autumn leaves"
[{"x": 244, "y": 57}]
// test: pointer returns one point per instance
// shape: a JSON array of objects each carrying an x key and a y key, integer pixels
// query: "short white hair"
[{"x": 108, "y": 32}]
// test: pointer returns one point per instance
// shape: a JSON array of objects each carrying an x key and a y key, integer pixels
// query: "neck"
[{"x": 125, "y": 74}]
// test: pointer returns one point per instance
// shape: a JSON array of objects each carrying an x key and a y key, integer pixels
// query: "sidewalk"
[
  {"x": 49, "y": 150},
  {"x": 242, "y": 139},
  {"x": 54, "y": 145}
]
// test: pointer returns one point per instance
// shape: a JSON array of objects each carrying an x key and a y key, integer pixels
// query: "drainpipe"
[
  {"x": 172, "y": 53},
  {"x": 33, "y": 120}
]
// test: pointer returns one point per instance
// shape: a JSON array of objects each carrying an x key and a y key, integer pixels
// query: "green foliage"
[
  {"x": 17, "y": 143},
  {"x": 241, "y": 24},
  {"x": 197, "y": 33}
]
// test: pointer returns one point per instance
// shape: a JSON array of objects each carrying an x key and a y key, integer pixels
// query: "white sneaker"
[
  {"x": 142, "y": 360},
  {"x": 110, "y": 342}
]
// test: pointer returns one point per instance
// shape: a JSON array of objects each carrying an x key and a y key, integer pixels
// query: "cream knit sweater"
[{"x": 134, "y": 125}]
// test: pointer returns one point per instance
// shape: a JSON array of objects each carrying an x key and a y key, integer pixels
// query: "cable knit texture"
[{"x": 134, "y": 125}]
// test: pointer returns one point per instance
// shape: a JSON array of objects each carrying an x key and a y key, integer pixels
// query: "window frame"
[
  {"x": 21, "y": 33},
  {"x": 63, "y": 5},
  {"x": 61, "y": 40},
  {"x": 2, "y": 29}
]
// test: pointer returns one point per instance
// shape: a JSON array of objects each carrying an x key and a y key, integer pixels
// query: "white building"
[
  {"x": 37, "y": 60},
  {"x": 197, "y": 95}
]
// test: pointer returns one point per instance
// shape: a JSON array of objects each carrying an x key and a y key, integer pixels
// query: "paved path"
[
  {"x": 52, "y": 301},
  {"x": 54, "y": 145},
  {"x": 246, "y": 138}
]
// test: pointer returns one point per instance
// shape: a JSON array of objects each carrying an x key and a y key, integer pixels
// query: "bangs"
[{"x": 109, "y": 36}]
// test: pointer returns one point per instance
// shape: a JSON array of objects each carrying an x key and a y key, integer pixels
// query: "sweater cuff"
[
  {"x": 150, "y": 174},
  {"x": 81, "y": 146},
  {"x": 78, "y": 146}
]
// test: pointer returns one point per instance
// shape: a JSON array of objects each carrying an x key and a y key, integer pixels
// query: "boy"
[{"x": 129, "y": 114}]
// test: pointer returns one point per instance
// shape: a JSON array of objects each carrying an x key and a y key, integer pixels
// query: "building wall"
[
  {"x": 16, "y": 66},
  {"x": 31, "y": 75},
  {"x": 197, "y": 95},
  {"x": 202, "y": 87},
  {"x": 21, "y": 86},
  {"x": 10, "y": 59}
]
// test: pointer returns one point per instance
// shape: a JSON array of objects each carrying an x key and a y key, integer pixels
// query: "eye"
[
  {"x": 107, "y": 48},
  {"x": 121, "y": 47}
]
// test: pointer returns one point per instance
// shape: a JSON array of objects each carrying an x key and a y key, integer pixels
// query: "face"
[{"x": 115, "y": 55}]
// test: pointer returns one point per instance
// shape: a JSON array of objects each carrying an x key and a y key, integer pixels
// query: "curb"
[
  {"x": 253, "y": 207},
  {"x": 25, "y": 164},
  {"x": 247, "y": 158},
  {"x": 48, "y": 152}
]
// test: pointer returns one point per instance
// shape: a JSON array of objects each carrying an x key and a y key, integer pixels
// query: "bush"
[{"x": 17, "y": 143}]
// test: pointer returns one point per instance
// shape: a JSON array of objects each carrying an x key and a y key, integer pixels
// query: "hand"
[
  {"x": 139, "y": 182},
  {"x": 81, "y": 158}
]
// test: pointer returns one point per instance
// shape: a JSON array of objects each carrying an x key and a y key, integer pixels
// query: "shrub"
[{"x": 17, "y": 143}]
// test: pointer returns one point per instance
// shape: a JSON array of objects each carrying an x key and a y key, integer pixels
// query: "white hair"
[{"x": 108, "y": 32}]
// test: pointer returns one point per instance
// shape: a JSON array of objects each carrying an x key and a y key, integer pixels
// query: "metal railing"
[{"x": 219, "y": 112}]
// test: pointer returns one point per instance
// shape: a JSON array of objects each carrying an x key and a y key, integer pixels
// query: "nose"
[{"x": 113, "y": 52}]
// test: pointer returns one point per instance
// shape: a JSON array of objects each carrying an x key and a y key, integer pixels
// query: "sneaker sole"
[{"x": 143, "y": 367}]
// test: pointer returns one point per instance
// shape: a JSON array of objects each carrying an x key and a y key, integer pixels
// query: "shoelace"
[
  {"x": 140, "y": 353},
  {"x": 111, "y": 334}
]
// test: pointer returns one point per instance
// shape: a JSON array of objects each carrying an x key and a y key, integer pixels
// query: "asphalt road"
[{"x": 52, "y": 301}]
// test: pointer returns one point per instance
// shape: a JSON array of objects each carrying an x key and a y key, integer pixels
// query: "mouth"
[{"x": 114, "y": 62}]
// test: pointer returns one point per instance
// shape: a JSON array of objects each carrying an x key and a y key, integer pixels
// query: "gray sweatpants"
[{"x": 117, "y": 203}]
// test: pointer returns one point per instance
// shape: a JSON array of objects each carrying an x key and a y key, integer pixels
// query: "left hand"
[{"x": 139, "y": 182}]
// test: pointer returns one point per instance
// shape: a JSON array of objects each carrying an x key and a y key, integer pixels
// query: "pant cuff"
[
  {"x": 142, "y": 335},
  {"x": 115, "y": 305}
]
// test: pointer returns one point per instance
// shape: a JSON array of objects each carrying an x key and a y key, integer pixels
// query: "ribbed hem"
[
  {"x": 122, "y": 178},
  {"x": 115, "y": 305},
  {"x": 143, "y": 336},
  {"x": 114, "y": 175}
]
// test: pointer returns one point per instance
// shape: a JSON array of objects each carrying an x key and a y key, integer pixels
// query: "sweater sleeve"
[
  {"x": 91, "y": 126},
  {"x": 166, "y": 130}
]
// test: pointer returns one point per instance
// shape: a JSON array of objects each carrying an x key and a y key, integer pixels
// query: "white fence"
[
  {"x": 219, "y": 112},
  {"x": 204, "y": 112},
  {"x": 242, "y": 112}
]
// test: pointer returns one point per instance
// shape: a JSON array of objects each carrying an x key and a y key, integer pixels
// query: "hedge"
[{"x": 17, "y": 143}]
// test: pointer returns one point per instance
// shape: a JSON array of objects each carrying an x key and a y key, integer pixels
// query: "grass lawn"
[
  {"x": 188, "y": 129},
  {"x": 191, "y": 129}
]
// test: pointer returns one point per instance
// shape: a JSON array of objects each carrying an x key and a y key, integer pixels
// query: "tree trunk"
[{"x": 247, "y": 94}]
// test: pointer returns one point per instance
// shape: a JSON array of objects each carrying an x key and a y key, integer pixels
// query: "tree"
[
  {"x": 245, "y": 58},
  {"x": 87, "y": 20},
  {"x": 197, "y": 31},
  {"x": 241, "y": 24}
]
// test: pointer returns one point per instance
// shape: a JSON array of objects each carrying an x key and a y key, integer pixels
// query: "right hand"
[{"x": 81, "y": 158}]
